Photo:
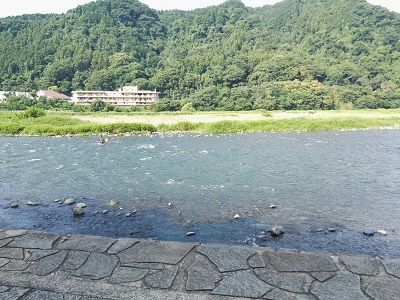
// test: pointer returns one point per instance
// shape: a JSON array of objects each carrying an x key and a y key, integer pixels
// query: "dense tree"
[{"x": 297, "y": 54}]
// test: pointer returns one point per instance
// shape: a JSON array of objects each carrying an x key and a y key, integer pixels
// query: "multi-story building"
[{"x": 127, "y": 96}]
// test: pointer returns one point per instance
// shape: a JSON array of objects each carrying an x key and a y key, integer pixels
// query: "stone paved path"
[{"x": 38, "y": 266}]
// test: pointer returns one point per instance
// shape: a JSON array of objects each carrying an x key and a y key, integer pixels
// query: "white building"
[
  {"x": 5, "y": 94},
  {"x": 127, "y": 96}
]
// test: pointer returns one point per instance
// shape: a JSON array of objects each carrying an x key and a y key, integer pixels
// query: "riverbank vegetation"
[
  {"x": 303, "y": 55},
  {"x": 36, "y": 122}
]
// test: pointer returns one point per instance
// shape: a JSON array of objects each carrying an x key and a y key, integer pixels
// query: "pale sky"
[{"x": 18, "y": 7}]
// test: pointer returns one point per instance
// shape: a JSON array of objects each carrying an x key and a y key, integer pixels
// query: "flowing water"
[{"x": 349, "y": 181}]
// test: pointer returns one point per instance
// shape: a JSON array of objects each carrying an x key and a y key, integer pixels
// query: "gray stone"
[
  {"x": 343, "y": 286},
  {"x": 15, "y": 293},
  {"x": 4, "y": 288},
  {"x": 47, "y": 265},
  {"x": 121, "y": 245},
  {"x": 35, "y": 241},
  {"x": 78, "y": 211},
  {"x": 5, "y": 242},
  {"x": 86, "y": 243},
  {"x": 361, "y": 265},
  {"x": 323, "y": 276},
  {"x": 292, "y": 282},
  {"x": 257, "y": 261},
  {"x": 72, "y": 297},
  {"x": 97, "y": 266},
  {"x": 384, "y": 288},
  {"x": 392, "y": 266},
  {"x": 369, "y": 232},
  {"x": 44, "y": 295},
  {"x": 11, "y": 233},
  {"x": 227, "y": 258},
  {"x": 13, "y": 253},
  {"x": 76, "y": 260},
  {"x": 201, "y": 275},
  {"x": 151, "y": 266},
  {"x": 126, "y": 274},
  {"x": 155, "y": 252},
  {"x": 242, "y": 284},
  {"x": 284, "y": 261},
  {"x": 35, "y": 254},
  {"x": 3, "y": 262},
  {"x": 162, "y": 279},
  {"x": 277, "y": 231},
  {"x": 15, "y": 265},
  {"x": 277, "y": 294},
  {"x": 69, "y": 201}
]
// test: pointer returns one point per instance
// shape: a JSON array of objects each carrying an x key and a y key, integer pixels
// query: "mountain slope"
[{"x": 297, "y": 54}]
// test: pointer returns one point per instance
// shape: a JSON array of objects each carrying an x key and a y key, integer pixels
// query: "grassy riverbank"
[{"x": 65, "y": 123}]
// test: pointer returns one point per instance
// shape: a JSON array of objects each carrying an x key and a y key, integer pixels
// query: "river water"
[{"x": 349, "y": 181}]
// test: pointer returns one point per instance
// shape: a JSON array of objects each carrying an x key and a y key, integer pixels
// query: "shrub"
[
  {"x": 188, "y": 107},
  {"x": 32, "y": 112}
]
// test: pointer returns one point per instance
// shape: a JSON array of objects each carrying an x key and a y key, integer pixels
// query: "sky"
[{"x": 18, "y": 7}]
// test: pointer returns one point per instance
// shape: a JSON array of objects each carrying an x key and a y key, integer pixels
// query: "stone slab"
[
  {"x": 48, "y": 264},
  {"x": 343, "y": 286},
  {"x": 15, "y": 265},
  {"x": 384, "y": 288},
  {"x": 13, "y": 253},
  {"x": 284, "y": 261},
  {"x": 155, "y": 252},
  {"x": 5, "y": 242},
  {"x": 35, "y": 254},
  {"x": 227, "y": 258},
  {"x": 392, "y": 266},
  {"x": 127, "y": 274},
  {"x": 97, "y": 266},
  {"x": 15, "y": 293},
  {"x": 121, "y": 245},
  {"x": 278, "y": 294},
  {"x": 3, "y": 262},
  {"x": 323, "y": 276},
  {"x": 257, "y": 261},
  {"x": 201, "y": 275},
  {"x": 162, "y": 279},
  {"x": 33, "y": 240},
  {"x": 292, "y": 282},
  {"x": 86, "y": 243},
  {"x": 76, "y": 260},
  {"x": 11, "y": 233},
  {"x": 361, "y": 265},
  {"x": 242, "y": 284},
  {"x": 44, "y": 295}
]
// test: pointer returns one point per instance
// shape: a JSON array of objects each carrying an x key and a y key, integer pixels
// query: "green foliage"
[
  {"x": 32, "y": 112},
  {"x": 309, "y": 54},
  {"x": 188, "y": 107},
  {"x": 99, "y": 105}
]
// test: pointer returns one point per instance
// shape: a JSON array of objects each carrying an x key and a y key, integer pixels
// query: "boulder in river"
[
  {"x": 191, "y": 233},
  {"x": 237, "y": 217},
  {"x": 369, "y": 232},
  {"x": 277, "y": 231},
  {"x": 381, "y": 232},
  {"x": 69, "y": 201},
  {"x": 272, "y": 206},
  {"x": 81, "y": 205},
  {"x": 105, "y": 212},
  {"x": 78, "y": 211},
  {"x": 14, "y": 205},
  {"x": 31, "y": 203},
  {"x": 113, "y": 203}
]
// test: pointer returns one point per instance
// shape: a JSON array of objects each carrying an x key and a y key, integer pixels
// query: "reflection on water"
[{"x": 349, "y": 181}]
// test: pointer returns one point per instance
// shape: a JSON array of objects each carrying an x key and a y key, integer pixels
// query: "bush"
[
  {"x": 32, "y": 112},
  {"x": 188, "y": 107}
]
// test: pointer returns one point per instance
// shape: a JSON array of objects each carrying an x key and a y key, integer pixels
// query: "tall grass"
[{"x": 53, "y": 124}]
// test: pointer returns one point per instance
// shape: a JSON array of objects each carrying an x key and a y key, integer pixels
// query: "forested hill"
[{"x": 297, "y": 54}]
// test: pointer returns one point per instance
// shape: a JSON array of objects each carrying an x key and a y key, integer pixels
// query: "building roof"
[{"x": 54, "y": 95}]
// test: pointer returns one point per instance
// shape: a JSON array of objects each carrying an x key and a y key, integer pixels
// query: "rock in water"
[
  {"x": 105, "y": 212},
  {"x": 381, "y": 232},
  {"x": 331, "y": 229},
  {"x": 369, "y": 232},
  {"x": 272, "y": 206},
  {"x": 191, "y": 233},
  {"x": 81, "y": 205},
  {"x": 113, "y": 203},
  {"x": 170, "y": 205},
  {"x": 237, "y": 217},
  {"x": 31, "y": 203},
  {"x": 78, "y": 211},
  {"x": 69, "y": 201},
  {"x": 277, "y": 231},
  {"x": 14, "y": 205}
]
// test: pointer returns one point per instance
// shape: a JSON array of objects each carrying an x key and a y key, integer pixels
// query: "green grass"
[{"x": 55, "y": 124}]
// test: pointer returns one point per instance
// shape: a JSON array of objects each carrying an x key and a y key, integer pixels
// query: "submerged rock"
[
  {"x": 331, "y": 229},
  {"x": 272, "y": 206},
  {"x": 237, "y": 217},
  {"x": 105, "y": 212},
  {"x": 31, "y": 203},
  {"x": 277, "y": 231},
  {"x": 78, "y": 211},
  {"x": 170, "y": 205},
  {"x": 56, "y": 200},
  {"x": 369, "y": 232},
  {"x": 113, "y": 203},
  {"x": 14, "y": 205},
  {"x": 69, "y": 201},
  {"x": 128, "y": 215},
  {"x": 190, "y": 233},
  {"x": 81, "y": 205},
  {"x": 381, "y": 232}
]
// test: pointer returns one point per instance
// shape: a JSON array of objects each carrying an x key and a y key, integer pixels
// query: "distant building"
[
  {"x": 127, "y": 96},
  {"x": 53, "y": 95}
]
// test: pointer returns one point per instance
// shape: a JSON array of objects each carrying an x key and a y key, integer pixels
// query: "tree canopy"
[{"x": 297, "y": 54}]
